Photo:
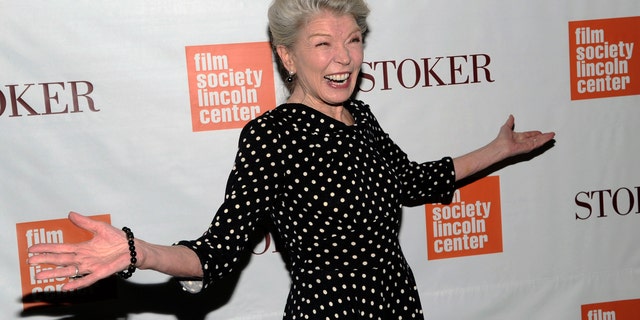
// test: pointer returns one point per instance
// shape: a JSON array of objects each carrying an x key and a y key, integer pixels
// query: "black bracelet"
[{"x": 126, "y": 274}]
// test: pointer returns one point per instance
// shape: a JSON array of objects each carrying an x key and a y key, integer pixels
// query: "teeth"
[{"x": 338, "y": 77}]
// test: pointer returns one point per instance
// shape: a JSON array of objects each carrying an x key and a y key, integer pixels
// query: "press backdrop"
[{"x": 130, "y": 111}]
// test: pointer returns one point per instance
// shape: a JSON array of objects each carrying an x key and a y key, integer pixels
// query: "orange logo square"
[
  {"x": 41, "y": 292},
  {"x": 602, "y": 58},
  {"x": 229, "y": 84},
  {"x": 470, "y": 225},
  {"x": 615, "y": 310}
]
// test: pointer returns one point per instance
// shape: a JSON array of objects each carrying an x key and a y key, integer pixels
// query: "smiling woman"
[
  {"x": 285, "y": 16},
  {"x": 321, "y": 172},
  {"x": 326, "y": 59}
]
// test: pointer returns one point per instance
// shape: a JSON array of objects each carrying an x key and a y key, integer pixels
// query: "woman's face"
[{"x": 326, "y": 59}]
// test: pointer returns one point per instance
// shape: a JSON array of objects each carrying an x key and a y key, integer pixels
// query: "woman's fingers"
[
  {"x": 84, "y": 222},
  {"x": 53, "y": 248},
  {"x": 57, "y": 273},
  {"x": 84, "y": 263},
  {"x": 523, "y": 142},
  {"x": 53, "y": 258},
  {"x": 78, "y": 278}
]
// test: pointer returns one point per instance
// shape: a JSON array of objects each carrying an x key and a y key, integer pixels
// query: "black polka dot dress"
[{"x": 334, "y": 195}]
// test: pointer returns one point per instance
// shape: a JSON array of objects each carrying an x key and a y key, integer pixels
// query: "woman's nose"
[{"x": 342, "y": 55}]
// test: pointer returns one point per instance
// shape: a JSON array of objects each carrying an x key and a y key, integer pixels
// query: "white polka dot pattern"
[{"x": 334, "y": 195}]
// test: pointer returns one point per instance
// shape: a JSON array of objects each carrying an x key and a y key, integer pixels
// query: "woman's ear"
[{"x": 286, "y": 57}]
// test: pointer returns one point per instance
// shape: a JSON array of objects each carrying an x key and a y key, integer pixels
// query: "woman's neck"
[{"x": 337, "y": 112}]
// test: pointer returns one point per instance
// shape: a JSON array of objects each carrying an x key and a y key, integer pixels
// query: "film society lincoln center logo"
[
  {"x": 612, "y": 310},
  {"x": 603, "y": 58},
  {"x": 229, "y": 84},
  {"x": 470, "y": 225},
  {"x": 37, "y": 292}
]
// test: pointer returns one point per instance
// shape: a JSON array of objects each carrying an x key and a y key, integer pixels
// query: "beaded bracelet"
[{"x": 125, "y": 274}]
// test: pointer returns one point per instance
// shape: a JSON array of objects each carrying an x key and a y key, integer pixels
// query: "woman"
[{"x": 319, "y": 169}]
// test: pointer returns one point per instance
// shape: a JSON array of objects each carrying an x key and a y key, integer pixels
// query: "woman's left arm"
[{"x": 507, "y": 144}]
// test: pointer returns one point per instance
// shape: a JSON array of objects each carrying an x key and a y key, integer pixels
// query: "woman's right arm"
[
  {"x": 248, "y": 199},
  {"x": 107, "y": 253}
]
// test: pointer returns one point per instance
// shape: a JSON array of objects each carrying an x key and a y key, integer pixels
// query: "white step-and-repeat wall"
[{"x": 130, "y": 111}]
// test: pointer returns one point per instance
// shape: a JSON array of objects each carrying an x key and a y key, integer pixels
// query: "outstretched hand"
[
  {"x": 514, "y": 143},
  {"x": 85, "y": 262},
  {"x": 507, "y": 144}
]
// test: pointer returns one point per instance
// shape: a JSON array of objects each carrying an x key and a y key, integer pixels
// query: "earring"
[{"x": 290, "y": 77}]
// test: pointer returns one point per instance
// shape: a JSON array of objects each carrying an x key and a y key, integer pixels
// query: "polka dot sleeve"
[
  {"x": 249, "y": 193},
  {"x": 427, "y": 182}
]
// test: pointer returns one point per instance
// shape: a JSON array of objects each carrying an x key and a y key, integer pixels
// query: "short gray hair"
[{"x": 286, "y": 18}]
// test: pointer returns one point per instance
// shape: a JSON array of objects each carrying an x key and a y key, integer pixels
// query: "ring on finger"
[{"x": 77, "y": 274}]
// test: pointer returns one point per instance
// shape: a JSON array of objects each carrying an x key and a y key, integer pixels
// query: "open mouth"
[{"x": 338, "y": 78}]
